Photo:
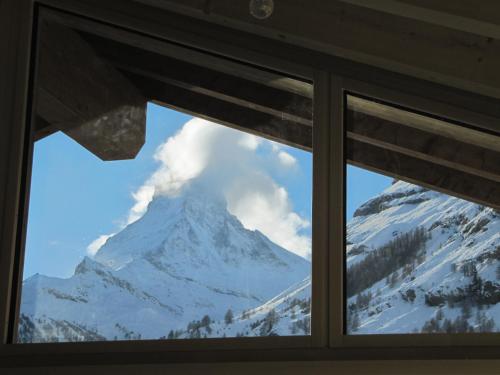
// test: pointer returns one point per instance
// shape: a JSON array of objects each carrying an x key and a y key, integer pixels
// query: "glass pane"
[
  {"x": 203, "y": 231},
  {"x": 422, "y": 256}
]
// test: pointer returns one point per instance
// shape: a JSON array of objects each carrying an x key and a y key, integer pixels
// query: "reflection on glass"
[{"x": 206, "y": 233}]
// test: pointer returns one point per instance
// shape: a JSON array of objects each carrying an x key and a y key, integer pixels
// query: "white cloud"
[
  {"x": 94, "y": 247},
  {"x": 228, "y": 159},
  {"x": 275, "y": 146},
  {"x": 250, "y": 141},
  {"x": 259, "y": 203},
  {"x": 178, "y": 163},
  {"x": 142, "y": 198},
  {"x": 286, "y": 159}
]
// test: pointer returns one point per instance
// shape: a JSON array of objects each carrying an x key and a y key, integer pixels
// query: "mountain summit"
[{"x": 187, "y": 257}]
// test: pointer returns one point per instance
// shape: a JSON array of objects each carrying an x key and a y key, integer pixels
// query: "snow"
[
  {"x": 185, "y": 258},
  {"x": 450, "y": 222},
  {"x": 188, "y": 257}
]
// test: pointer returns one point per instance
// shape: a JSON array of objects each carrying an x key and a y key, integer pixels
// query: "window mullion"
[
  {"x": 336, "y": 211},
  {"x": 320, "y": 209}
]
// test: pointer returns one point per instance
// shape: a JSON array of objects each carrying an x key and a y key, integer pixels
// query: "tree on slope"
[{"x": 228, "y": 318}]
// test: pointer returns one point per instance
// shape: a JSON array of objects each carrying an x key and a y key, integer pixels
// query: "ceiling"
[{"x": 456, "y": 43}]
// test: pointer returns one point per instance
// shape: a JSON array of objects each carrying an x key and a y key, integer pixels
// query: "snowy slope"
[
  {"x": 185, "y": 258},
  {"x": 417, "y": 260},
  {"x": 453, "y": 276},
  {"x": 446, "y": 279},
  {"x": 288, "y": 313}
]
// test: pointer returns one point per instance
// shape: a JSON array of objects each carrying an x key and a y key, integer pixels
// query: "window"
[
  {"x": 167, "y": 204},
  {"x": 423, "y": 220},
  {"x": 168, "y": 200}
]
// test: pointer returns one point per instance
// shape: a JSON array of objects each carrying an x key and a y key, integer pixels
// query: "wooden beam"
[
  {"x": 210, "y": 82},
  {"x": 451, "y": 14},
  {"x": 486, "y": 11},
  {"x": 424, "y": 173},
  {"x": 409, "y": 46},
  {"x": 422, "y": 145},
  {"x": 426, "y": 123},
  {"x": 239, "y": 69},
  {"x": 86, "y": 98},
  {"x": 219, "y": 111}
]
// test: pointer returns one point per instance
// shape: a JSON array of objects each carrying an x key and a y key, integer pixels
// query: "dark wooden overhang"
[
  {"x": 86, "y": 98},
  {"x": 427, "y": 151},
  {"x": 100, "y": 88}
]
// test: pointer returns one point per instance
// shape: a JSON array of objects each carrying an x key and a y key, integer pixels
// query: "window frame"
[
  {"x": 402, "y": 100},
  {"x": 318, "y": 336},
  {"x": 332, "y": 77}
]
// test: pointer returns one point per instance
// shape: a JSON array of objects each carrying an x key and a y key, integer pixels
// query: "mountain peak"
[
  {"x": 186, "y": 257},
  {"x": 86, "y": 265},
  {"x": 398, "y": 193},
  {"x": 194, "y": 229}
]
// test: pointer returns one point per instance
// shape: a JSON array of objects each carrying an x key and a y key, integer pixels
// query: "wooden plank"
[
  {"x": 486, "y": 11},
  {"x": 412, "y": 47},
  {"x": 212, "y": 109},
  {"x": 434, "y": 148},
  {"x": 453, "y": 15},
  {"x": 86, "y": 98},
  {"x": 435, "y": 177},
  {"x": 231, "y": 42},
  {"x": 236, "y": 90},
  {"x": 238, "y": 69},
  {"x": 426, "y": 123}
]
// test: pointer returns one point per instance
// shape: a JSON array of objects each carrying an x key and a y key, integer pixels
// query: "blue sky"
[
  {"x": 361, "y": 186},
  {"x": 75, "y": 197}
]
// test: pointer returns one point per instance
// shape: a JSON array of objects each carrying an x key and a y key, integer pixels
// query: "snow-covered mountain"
[
  {"x": 417, "y": 261},
  {"x": 187, "y": 257},
  {"x": 421, "y": 261}
]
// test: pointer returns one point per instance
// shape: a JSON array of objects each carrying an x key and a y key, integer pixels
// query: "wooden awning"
[
  {"x": 95, "y": 90},
  {"x": 446, "y": 157}
]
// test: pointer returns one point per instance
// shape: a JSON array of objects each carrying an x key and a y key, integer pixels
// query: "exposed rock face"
[
  {"x": 385, "y": 201},
  {"x": 50, "y": 330}
]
